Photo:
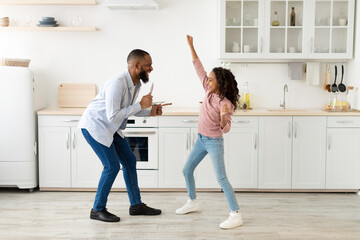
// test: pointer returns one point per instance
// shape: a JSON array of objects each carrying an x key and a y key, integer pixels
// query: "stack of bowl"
[
  {"x": 47, "y": 22},
  {"x": 4, "y": 22}
]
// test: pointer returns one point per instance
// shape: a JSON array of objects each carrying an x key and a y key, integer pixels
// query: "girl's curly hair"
[{"x": 227, "y": 85}]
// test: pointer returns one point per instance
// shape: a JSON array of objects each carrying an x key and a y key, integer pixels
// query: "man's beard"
[{"x": 143, "y": 76}]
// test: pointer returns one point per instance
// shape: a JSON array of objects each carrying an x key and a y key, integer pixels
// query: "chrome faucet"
[{"x": 282, "y": 104}]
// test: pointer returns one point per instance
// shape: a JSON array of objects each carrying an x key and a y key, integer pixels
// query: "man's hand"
[
  {"x": 156, "y": 110},
  {"x": 146, "y": 101}
]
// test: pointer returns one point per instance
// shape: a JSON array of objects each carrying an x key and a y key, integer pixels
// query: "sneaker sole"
[
  {"x": 232, "y": 227},
  {"x": 189, "y": 211},
  {"x": 103, "y": 220}
]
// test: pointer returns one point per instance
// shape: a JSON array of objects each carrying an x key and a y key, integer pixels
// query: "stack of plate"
[
  {"x": 47, "y": 22},
  {"x": 4, "y": 22}
]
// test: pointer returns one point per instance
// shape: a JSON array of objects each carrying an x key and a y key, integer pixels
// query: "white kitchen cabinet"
[
  {"x": 65, "y": 158},
  {"x": 241, "y": 29},
  {"x": 241, "y": 149},
  {"x": 308, "y": 154},
  {"x": 54, "y": 157},
  {"x": 343, "y": 153},
  {"x": 323, "y": 29},
  {"x": 86, "y": 167},
  {"x": 275, "y": 140},
  {"x": 177, "y": 136},
  {"x": 174, "y": 148}
]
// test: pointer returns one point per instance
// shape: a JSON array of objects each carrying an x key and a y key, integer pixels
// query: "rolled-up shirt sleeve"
[{"x": 114, "y": 94}]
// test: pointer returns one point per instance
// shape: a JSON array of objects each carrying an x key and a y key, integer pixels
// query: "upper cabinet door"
[
  {"x": 285, "y": 29},
  {"x": 241, "y": 29},
  {"x": 332, "y": 31}
]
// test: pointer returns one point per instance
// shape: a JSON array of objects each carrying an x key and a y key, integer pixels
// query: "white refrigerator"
[{"x": 18, "y": 150}]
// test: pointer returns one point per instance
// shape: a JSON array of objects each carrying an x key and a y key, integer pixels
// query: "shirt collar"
[{"x": 130, "y": 82}]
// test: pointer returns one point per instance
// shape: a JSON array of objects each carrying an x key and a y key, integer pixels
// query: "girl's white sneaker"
[
  {"x": 234, "y": 220},
  {"x": 189, "y": 206}
]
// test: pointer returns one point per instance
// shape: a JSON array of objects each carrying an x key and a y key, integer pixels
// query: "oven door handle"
[{"x": 140, "y": 133}]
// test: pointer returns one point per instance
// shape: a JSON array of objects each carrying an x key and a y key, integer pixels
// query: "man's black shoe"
[
  {"x": 104, "y": 216},
  {"x": 142, "y": 209}
]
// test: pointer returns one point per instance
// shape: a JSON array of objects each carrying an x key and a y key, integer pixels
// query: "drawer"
[
  {"x": 244, "y": 122},
  {"x": 61, "y": 121},
  {"x": 176, "y": 121},
  {"x": 343, "y": 122}
]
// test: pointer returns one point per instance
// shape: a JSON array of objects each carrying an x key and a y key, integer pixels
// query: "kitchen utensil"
[
  {"x": 75, "y": 94},
  {"x": 328, "y": 87},
  {"x": 325, "y": 79},
  {"x": 151, "y": 88},
  {"x": 166, "y": 104},
  {"x": 342, "y": 87},
  {"x": 334, "y": 87}
]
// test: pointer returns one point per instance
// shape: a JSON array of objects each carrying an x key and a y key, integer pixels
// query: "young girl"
[{"x": 221, "y": 95}]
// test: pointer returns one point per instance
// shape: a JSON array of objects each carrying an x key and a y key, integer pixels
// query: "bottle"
[
  {"x": 245, "y": 97},
  {"x": 275, "y": 22},
  {"x": 350, "y": 97},
  {"x": 292, "y": 17}
]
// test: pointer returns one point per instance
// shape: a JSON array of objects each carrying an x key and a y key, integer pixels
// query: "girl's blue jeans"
[{"x": 215, "y": 148}]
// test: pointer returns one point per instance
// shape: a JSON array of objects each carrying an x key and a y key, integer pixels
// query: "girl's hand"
[
  {"x": 224, "y": 110},
  {"x": 189, "y": 40}
]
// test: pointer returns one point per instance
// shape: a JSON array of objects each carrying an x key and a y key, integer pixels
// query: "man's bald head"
[{"x": 136, "y": 55}]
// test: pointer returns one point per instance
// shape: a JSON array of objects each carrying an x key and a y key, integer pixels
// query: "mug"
[
  {"x": 292, "y": 49},
  {"x": 247, "y": 48},
  {"x": 342, "y": 22}
]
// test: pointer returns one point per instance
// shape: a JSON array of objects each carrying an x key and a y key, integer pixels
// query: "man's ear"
[{"x": 137, "y": 65}]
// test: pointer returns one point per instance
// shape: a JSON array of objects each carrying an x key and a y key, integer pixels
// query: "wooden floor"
[{"x": 65, "y": 215}]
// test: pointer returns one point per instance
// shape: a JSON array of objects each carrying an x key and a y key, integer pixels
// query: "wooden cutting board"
[{"x": 75, "y": 94}]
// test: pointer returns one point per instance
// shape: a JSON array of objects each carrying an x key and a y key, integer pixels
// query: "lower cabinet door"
[
  {"x": 275, "y": 138},
  {"x": 54, "y": 157},
  {"x": 174, "y": 148},
  {"x": 309, "y": 150},
  {"x": 146, "y": 179},
  {"x": 86, "y": 167},
  {"x": 343, "y": 158},
  {"x": 241, "y": 148}
]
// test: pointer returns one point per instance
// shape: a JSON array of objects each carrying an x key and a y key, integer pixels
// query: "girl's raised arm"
[{"x": 191, "y": 45}]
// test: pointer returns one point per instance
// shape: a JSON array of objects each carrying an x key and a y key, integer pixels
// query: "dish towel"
[
  {"x": 295, "y": 71},
  {"x": 313, "y": 73}
]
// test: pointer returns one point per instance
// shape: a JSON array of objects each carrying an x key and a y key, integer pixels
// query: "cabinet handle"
[
  {"x": 189, "y": 121},
  {"x": 73, "y": 139},
  {"x": 236, "y": 121},
  {"x": 69, "y": 121},
  {"x": 67, "y": 140},
  {"x": 187, "y": 141},
  {"x": 295, "y": 130},
  {"x": 345, "y": 122},
  {"x": 329, "y": 139},
  {"x": 255, "y": 141},
  {"x": 289, "y": 134},
  {"x": 35, "y": 148},
  {"x": 193, "y": 140}
]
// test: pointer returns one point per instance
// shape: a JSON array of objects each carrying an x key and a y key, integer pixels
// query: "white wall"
[{"x": 95, "y": 56}]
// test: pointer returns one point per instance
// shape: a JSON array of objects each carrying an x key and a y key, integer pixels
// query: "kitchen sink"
[{"x": 286, "y": 110}]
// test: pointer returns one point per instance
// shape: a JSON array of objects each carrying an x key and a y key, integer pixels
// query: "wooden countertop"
[{"x": 178, "y": 111}]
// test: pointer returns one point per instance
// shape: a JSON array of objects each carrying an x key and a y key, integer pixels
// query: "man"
[{"x": 102, "y": 124}]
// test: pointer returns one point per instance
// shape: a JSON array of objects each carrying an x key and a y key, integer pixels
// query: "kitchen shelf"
[
  {"x": 50, "y": 29},
  {"x": 47, "y": 2}
]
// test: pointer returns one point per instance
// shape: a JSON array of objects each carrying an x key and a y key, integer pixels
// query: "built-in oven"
[{"x": 142, "y": 135}]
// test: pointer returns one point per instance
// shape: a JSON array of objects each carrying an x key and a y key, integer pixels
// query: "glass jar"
[{"x": 350, "y": 97}]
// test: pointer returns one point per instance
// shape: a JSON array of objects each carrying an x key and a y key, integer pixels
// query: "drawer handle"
[
  {"x": 189, "y": 121},
  {"x": 68, "y": 121},
  {"x": 236, "y": 121},
  {"x": 345, "y": 122}
]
